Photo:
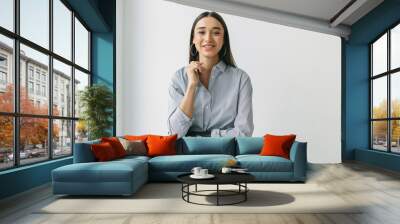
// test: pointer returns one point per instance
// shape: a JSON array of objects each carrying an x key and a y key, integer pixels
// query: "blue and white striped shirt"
[{"x": 224, "y": 109}]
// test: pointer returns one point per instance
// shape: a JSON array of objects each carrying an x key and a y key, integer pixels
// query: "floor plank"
[{"x": 377, "y": 190}]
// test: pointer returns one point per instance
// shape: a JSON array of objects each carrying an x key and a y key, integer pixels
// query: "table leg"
[
  {"x": 245, "y": 193},
  {"x": 217, "y": 194},
  {"x": 196, "y": 188}
]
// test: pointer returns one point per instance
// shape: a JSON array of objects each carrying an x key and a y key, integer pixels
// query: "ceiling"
[{"x": 326, "y": 16}]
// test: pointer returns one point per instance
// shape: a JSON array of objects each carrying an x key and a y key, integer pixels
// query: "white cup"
[
  {"x": 203, "y": 172},
  {"x": 226, "y": 170},
  {"x": 196, "y": 170}
]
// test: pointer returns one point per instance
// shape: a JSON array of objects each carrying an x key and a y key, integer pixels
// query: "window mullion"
[
  {"x": 16, "y": 83},
  {"x": 50, "y": 81},
  {"x": 73, "y": 82},
  {"x": 389, "y": 105}
]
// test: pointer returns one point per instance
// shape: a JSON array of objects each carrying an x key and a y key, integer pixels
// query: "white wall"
[{"x": 295, "y": 73}]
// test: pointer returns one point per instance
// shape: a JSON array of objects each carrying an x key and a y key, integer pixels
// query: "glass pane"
[
  {"x": 6, "y": 74},
  {"x": 395, "y": 136},
  {"x": 34, "y": 96},
  {"x": 395, "y": 94},
  {"x": 6, "y": 142},
  {"x": 379, "y": 135},
  {"x": 35, "y": 21},
  {"x": 379, "y": 55},
  {"x": 81, "y": 81},
  {"x": 81, "y": 131},
  {"x": 81, "y": 45},
  {"x": 62, "y": 29},
  {"x": 62, "y": 89},
  {"x": 379, "y": 100},
  {"x": 33, "y": 139},
  {"x": 395, "y": 47},
  {"x": 62, "y": 137},
  {"x": 7, "y": 14}
]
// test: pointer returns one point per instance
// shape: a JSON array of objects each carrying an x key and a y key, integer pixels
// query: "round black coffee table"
[{"x": 238, "y": 179}]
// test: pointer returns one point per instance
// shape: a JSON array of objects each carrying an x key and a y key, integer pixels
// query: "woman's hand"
[{"x": 193, "y": 72}]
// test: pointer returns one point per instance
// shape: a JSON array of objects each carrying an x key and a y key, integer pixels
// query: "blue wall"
[
  {"x": 99, "y": 15},
  {"x": 24, "y": 178},
  {"x": 356, "y": 82}
]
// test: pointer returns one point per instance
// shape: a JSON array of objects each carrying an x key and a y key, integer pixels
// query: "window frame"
[
  {"x": 16, "y": 114},
  {"x": 388, "y": 74}
]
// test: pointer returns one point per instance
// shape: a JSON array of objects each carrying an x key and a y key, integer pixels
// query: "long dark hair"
[{"x": 225, "y": 54}]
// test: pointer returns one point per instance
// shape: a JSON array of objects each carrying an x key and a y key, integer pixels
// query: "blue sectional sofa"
[{"x": 125, "y": 176}]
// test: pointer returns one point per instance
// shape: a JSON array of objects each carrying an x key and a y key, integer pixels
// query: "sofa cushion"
[
  {"x": 206, "y": 145},
  {"x": 249, "y": 145},
  {"x": 257, "y": 163},
  {"x": 83, "y": 152},
  {"x": 185, "y": 163},
  {"x": 111, "y": 171}
]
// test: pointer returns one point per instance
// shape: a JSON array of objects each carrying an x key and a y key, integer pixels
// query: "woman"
[{"x": 210, "y": 96}]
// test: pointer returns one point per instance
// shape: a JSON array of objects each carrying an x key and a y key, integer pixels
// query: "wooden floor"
[{"x": 377, "y": 188}]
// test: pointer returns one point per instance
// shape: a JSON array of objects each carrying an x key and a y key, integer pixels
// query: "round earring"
[{"x": 191, "y": 50}]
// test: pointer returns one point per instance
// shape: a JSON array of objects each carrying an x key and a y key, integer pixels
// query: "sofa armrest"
[
  {"x": 83, "y": 152},
  {"x": 298, "y": 155}
]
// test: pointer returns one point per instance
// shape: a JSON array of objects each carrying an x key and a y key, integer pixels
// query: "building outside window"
[{"x": 385, "y": 91}]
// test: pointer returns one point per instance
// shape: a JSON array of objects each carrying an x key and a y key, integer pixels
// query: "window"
[
  {"x": 30, "y": 72},
  {"x": 7, "y": 14},
  {"x": 38, "y": 89},
  {"x": 30, "y": 87},
  {"x": 37, "y": 75},
  {"x": 385, "y": 91},
  {"x": 43, "y": 90},
  {"x": 3, "y": 61},
  {"x": 81, "y": 45},
  {"x": 3, "y": 78},
  {"x": 43, "y": 77},
  {"x": 6, "y": 72},
  {"x": 3, "y": 72},
  {"x": 55, "y": 126}
]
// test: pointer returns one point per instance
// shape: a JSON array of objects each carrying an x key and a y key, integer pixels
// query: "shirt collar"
[{"x": 220, "y": 66}]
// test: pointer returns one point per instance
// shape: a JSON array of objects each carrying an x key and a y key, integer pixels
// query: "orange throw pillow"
[
  {"x": 136, "y": 137},
  {"x": 161, "y": 145},
  {"x": 103, "y": 152},
  {"x": 277, "y": 145},
  {"x": 116, "y": 145}
]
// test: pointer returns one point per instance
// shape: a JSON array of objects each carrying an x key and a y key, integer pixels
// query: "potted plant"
[{"x": 96, "y": 102}]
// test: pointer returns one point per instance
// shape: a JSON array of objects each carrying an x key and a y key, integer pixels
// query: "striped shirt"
[{"x": 224, "y": 109}]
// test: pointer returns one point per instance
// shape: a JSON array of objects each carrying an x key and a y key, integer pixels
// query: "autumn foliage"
[
  {"x": 33, "y": 131},
  {"x": 380, "y": 127}
]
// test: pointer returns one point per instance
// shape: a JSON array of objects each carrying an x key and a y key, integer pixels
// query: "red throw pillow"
[
  {"x": 116, "y": 145},
  {"x": 103, "y": 151},
  {"x": 161, "y": 145},
  {"x": 277, "y": 145}
]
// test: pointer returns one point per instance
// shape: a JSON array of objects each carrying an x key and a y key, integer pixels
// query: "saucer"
[{"x": 208, "y": 176}]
